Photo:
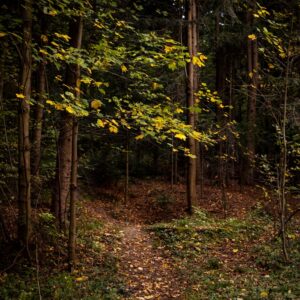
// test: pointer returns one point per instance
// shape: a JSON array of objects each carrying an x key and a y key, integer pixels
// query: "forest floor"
[{"x": 149, "y": 248}]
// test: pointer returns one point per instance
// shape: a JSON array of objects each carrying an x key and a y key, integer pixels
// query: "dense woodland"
[{"x": 149, "y": 149}]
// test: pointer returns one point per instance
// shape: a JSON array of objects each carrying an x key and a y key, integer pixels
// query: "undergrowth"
[
  {"x": 231, "y": 258},
  {"x": 94, "y": 278}
]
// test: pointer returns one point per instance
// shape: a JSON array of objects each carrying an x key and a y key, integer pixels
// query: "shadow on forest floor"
[{"x": 149, "y": 248}]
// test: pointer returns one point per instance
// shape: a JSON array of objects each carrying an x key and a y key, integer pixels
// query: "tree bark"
[
  {"x": 39, "y": 110},
  {"x": 252, "y": 95},
  {"x": 63, "y": 169},
  {"x": 192, "y": 163},
  {"x": 76, "y": 36},
  {"x": 126, "y": 183},
  {"x": 73, "y": 198},
  {"x": 283, "y": 166},
  {"x": 221, "y": 73},
  {"x": 24, "y": 196},
  {"x": 64, "y": 155}
]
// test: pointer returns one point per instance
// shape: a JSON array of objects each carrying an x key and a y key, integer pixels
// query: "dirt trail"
[{"x": 148, "y": 272}]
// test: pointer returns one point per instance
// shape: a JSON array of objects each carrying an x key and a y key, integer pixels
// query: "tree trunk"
[
  {"x": 199, "y": 177},
  {"x": 252, "y": 95},
  {"x": 64, "y": 155},
  {"x": 126, "y": 183},
  {"x": 39, "y": 111},
  {"x": 221, "y": 72},
  {"x": 76, "y": 36},
  {"x": 24, "y": 197},
  {"x": 283, "y": 166},
  {"x": 73, "y": 198},
  {"x": 63, "y": 169},
  {"x": 192, "y": 163}
]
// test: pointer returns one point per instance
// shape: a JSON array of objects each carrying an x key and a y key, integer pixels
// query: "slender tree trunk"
[
  {"x": 221, "y": 72},
  {"x": 172, "y": 166},
  {"x": 39, "y": 110},
  {"x": 76, "y": 36},
  {"x": 252, "y": 95},
  {"x": 24, "y": 197},
  {"x": 63, "y": 169},
  {"x": 126, "y": 187},
  {"x": 192, "y": 163},
  {"x": 199, "y": 177},
  {"x": 283, "y": 167},
  {"x": 64, "y": 156},
  {"x": 73, "y": 198},
  {"x": 201, "y": 170},
  {"x": 176, "y": 168}
]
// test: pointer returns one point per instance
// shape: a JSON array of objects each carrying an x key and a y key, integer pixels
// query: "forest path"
[{"x": 148, "y": 271}]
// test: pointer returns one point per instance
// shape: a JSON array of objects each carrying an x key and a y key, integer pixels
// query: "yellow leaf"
[
  {"x": 178, "y": 110},
  {"x": 124, "y": 123},
  {"x": 292, "y": 236},
  {"x": 113, "y": 121},
  {"x": 264, "y": 294},
  {"x": 54, "y": 44},
  {"x": 155, "y": 85},
  {"x": 59, "y": 106},
  {"x": 52, "y": 13},
  {"x": 202, "y": 57},
  {"x": 172, "y": 66},
  {"x": 20, "y": 96},
  {"x": 139, "y": 137},
  {"x": 62, "y": 36},
  {"x": 180, "y": 136},
  {"x": 44, "y": 38},
  {"x": 252, "y": 37},
  {"x": 70, "y": 110},
  {"x": 282, "y": 55},
  {"x": 124, "y": 69},
  {"x": 196, "y": 135},
  {"x": 168, "y": 49},
  {"x": 98, "y": 83},
  {"x": 197, "y": 62},
  {"x": 159, "y": 122},
  {"x": 113, "y": 129},
  {"x": 2, "y": 34},
  {"x": 99, "y": 25},
  {"x": 100, "y": 123},
  {"x": 120, "y": 23},
  {"x": 59, "y": 56},
  {"x": 86, "y": 80},
  {"x": 50, "y": 102},
  {"x": 43, "y": 51},
  {"x": 271, "y": 66},
  {"x": 96, "y": 104},
  {"x": 250, "y": 75},
  {"x": 82, "y": 278},
  {"x": 235, "y": 250}
]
